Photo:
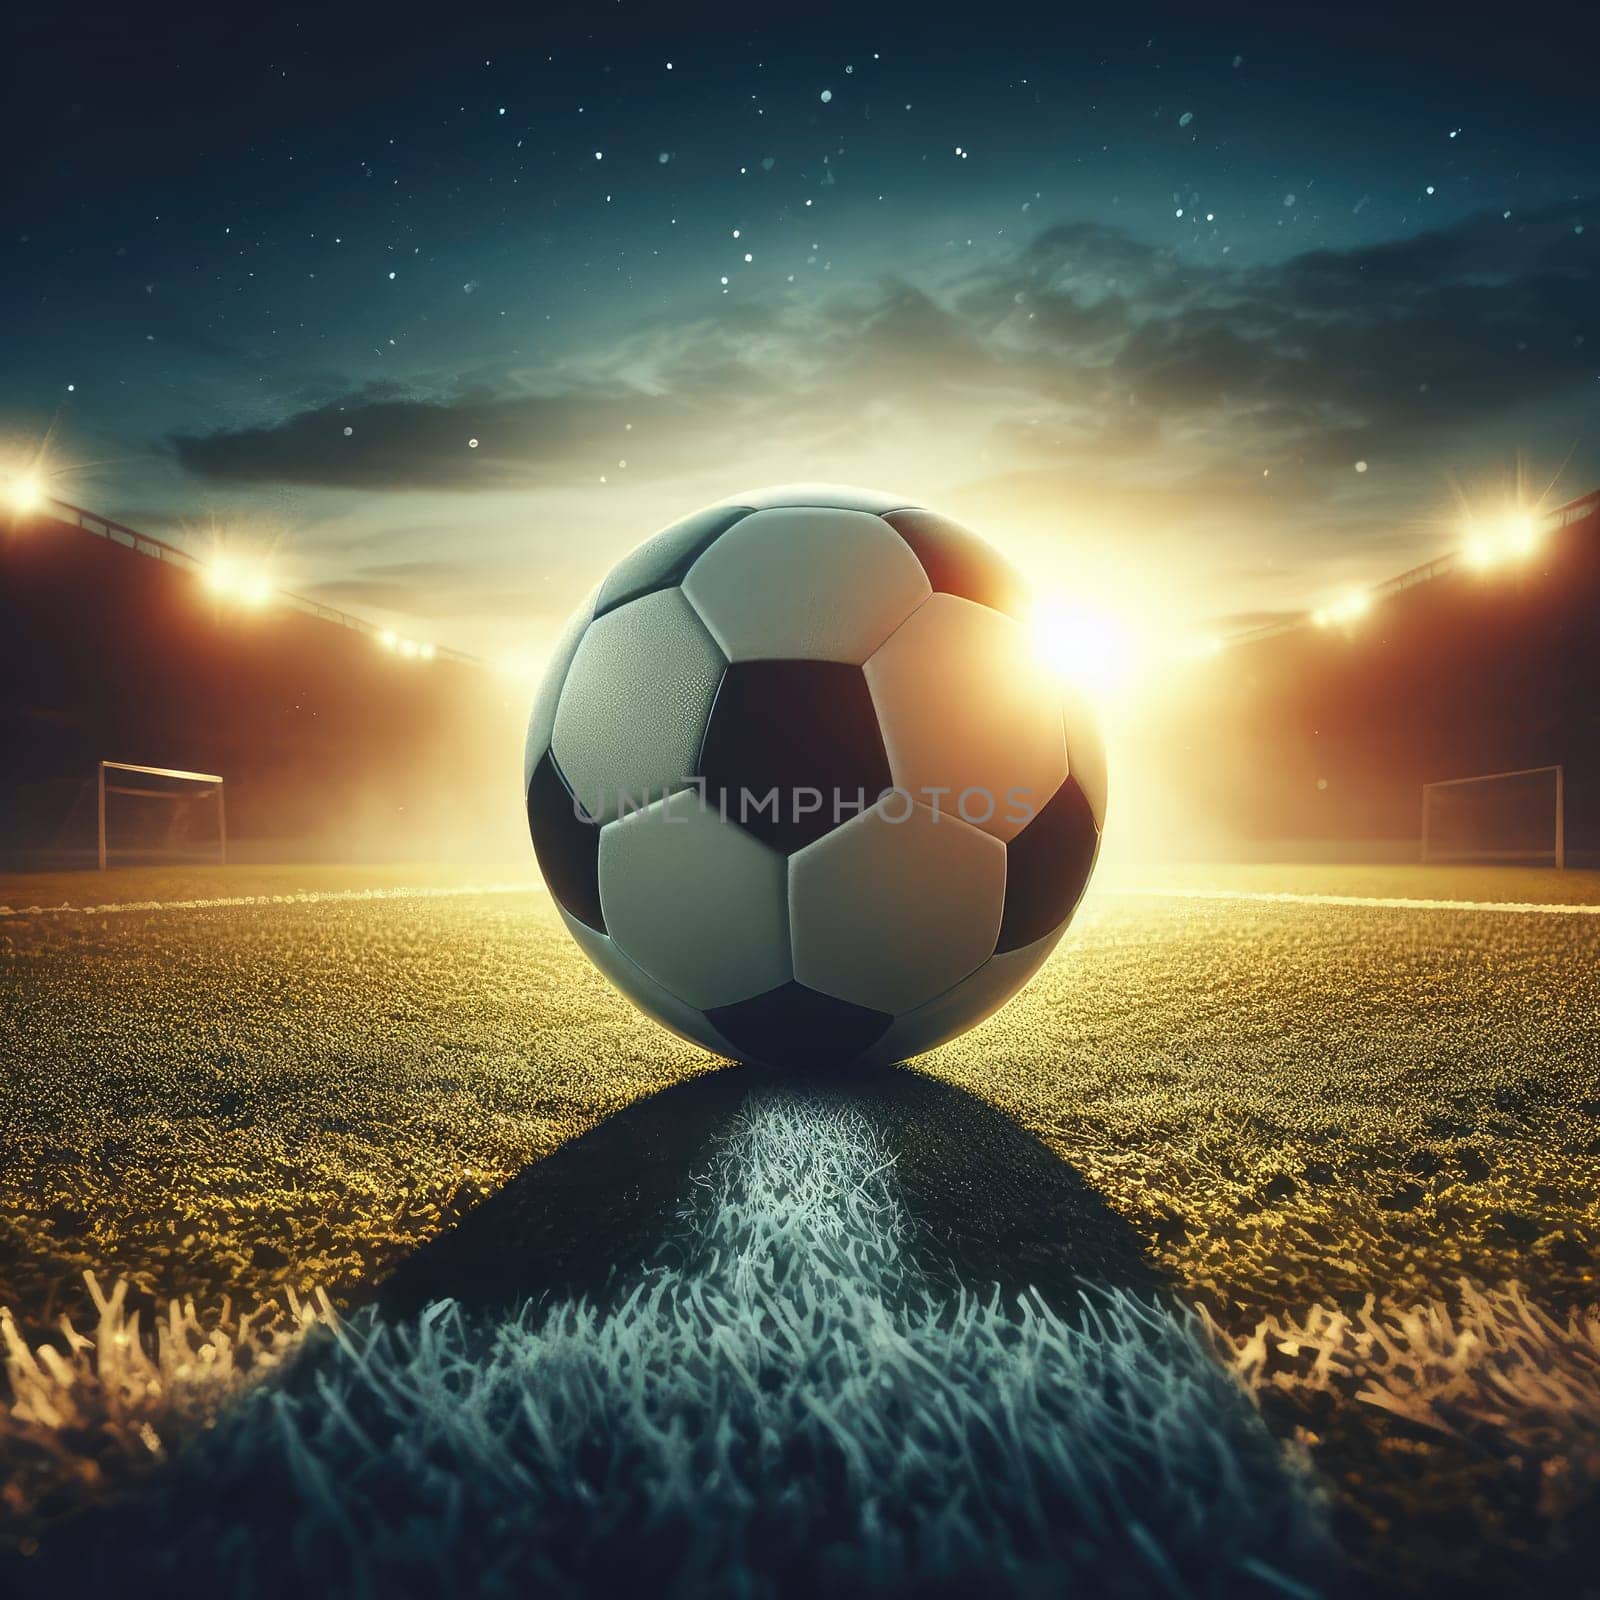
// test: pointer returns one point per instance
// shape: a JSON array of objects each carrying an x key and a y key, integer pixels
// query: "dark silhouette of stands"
[
  {"x": 330, "y": 746},
  {"x": 1317, "y": 736},
  {"x": 1311, "y": 741}
]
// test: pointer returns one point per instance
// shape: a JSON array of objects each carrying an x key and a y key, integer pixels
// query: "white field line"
[
  {"x": 1372, "y": 901},
  {"x": 309, "y": 897},
  {"x": 313, "y": 897}
]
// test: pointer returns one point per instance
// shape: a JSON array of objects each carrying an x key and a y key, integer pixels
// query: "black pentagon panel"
[
  {"x": 566, "y": 843},
  {"x": 792, "y": 749},
  {"x": 662, "y": 561},
  {"x": 794, "y": 1026},
  {"x": 1047, "y": 868},
  {"x": 958, "y": 562}
]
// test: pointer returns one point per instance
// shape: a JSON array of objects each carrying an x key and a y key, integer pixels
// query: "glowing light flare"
[
  {"x": 411, "y": 649},
  {"x": 519, "y": 666},
  {"x": 1093, "y": 651},
  {"x": 1521, "y": 534},
  {"x": 1350, "y": 607},
  {"x": 25, "y": 492},
  {"x": 1513, "y": 538},
  {"x": 244, "y": 582}
]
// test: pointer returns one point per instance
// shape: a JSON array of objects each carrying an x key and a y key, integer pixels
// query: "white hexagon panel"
[
  {"x": 696, "y": 901},
  {"x": 970, "y": 714},
  {"x": 896, "y": 906},
  {"x": 806, "y": 583},
  {"x": 633, "y": 981},
  {"x": 966, "y": 1004},
  {"x": 633, "y": 708},
  {"x": 542, "y": 719}
]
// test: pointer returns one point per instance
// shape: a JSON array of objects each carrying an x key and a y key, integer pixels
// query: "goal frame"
[
  {"x": 104, "y": 788},
  {"x": 1560, "y": 848}
]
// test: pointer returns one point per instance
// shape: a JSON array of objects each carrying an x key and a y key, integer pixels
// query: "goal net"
[
  {"x": 155, "y": 814},
  {"x": 1500, "y": 816}
]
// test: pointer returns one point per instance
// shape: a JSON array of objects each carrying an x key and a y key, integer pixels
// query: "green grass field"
[{"x": 236, "y": 1083}]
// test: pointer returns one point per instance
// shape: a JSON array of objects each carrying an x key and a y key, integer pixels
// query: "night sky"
[{"x": 1202, "y": 316}]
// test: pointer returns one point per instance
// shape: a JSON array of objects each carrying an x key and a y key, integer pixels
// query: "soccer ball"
[{"x": 802, "y": 786}]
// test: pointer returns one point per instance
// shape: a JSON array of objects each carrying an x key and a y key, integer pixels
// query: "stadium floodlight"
[
  {"x": 1350, "y": 607},
  {"x": 1521, "y": 534},
  {"x": 249, "y": 585},
  {"x": 411, "y": 649},
  {"x": 1513, "y": 538},
  {"x": 25, "y": 492}
]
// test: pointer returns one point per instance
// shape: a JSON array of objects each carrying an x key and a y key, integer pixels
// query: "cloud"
[
  {"x": 372, "y": 440},
  {"x": 1085, "y": 369},
  {"x": 1415, "y": 336},
  {"x": 431, "y": 589}
]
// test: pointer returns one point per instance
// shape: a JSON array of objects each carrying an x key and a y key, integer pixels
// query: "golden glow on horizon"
[
  {"x": 1121, "y": 628},
  {"x": 519, "y": 666},
  {"x": 1094, "y": 651}
]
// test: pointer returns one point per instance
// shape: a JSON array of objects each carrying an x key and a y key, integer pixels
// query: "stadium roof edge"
[{"x": 159, "y": 550}]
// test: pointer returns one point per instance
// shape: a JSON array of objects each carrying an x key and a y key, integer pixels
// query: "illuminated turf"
[
  {"x": 787, "y": 1400},
  {"x": 1287, "y": 1104}
]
